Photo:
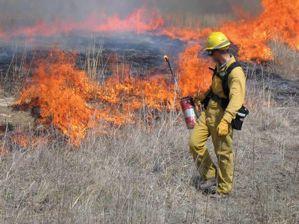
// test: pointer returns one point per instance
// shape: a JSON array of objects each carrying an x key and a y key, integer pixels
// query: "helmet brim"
[{"x": 219, "y": 47}]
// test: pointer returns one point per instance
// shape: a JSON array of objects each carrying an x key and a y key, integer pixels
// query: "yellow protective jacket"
[{"x": 237, "y": 87}]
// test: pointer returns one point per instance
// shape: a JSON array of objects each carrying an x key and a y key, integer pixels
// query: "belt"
[
  {"x": 211, "y": 96},
  {"x": 223, "y": 102}
]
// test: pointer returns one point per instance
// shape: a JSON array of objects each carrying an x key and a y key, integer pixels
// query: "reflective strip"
[
  {"x": 189, "y": 113},
  {"x": 222, "y": 45},
  {"x": 241, "y": 115}
]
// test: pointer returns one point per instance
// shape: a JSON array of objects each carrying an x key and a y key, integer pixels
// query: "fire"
[
  {"x": 24, "y": 140},
  {"x": 194, "y": 70},
  {"x": 21, "y": 139},
  {"x": 73, "y": 103},
  {"x": 135, "y": 22},
  {"x": 61, "y": 92},
  {"x": 41, "y": 28},
  {"x": 139, "y": 21},
  {"x": 186, "y": 34},
  {"x": 278, "y": 21}
]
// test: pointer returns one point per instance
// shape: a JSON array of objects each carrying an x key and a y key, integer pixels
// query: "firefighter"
[{"x": 221, "y": 102}]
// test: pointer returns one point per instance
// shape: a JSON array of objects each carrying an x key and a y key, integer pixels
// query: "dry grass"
[
  {"x": 143, "y": 174},
  {"x": 14, "y": 72},
  {"x": 285, "y": 61}
]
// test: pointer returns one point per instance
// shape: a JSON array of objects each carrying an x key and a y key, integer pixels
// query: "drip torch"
[
  {"x": 166, "y": 58},
  {"x": 187, "y": 103}
]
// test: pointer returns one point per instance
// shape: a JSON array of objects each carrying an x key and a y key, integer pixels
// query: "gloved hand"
[
  {"x": 223, "y": 128},
  {"x": 199, "y": 97}
]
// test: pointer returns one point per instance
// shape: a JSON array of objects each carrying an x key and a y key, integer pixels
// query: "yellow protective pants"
[{"x": 205, "y": 127}]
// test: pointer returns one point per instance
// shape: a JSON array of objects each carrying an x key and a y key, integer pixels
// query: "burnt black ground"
[
  {"x": 140, "y": 51},
  {"x": 285, "y": 91}
]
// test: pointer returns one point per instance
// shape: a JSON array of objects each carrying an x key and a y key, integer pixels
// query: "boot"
[
  {"x": 197, "y": 181},
  {"x": 209, "y": 185}
]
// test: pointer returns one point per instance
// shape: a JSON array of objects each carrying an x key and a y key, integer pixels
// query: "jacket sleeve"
[{"x": 237, "y": 86}]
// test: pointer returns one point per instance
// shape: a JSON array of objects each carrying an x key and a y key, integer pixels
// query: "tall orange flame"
[
  {"x": 135, "y": 22},
  {"x": 61, "y": 92},
  {"x": 73, "y": 103},
  {"x": 194, "y": 70},
  {"x": 278, "y": 21},
  {"x": 139, "y": 21}
]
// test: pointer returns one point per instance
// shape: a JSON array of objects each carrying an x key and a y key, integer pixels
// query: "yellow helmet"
[{"x": 217, "y": 41}]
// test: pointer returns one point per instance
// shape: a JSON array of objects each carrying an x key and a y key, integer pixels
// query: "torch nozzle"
[
  {"x": 177, "y": 90},
  {"x": 166, "y": 58}
]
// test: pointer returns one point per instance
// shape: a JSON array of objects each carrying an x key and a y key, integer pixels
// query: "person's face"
[{"x": 216, "y": 56}]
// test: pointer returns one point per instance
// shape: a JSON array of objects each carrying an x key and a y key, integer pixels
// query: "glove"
[
  {"x": 199, "y": 97},
  {"x": 223, "y": 128}
]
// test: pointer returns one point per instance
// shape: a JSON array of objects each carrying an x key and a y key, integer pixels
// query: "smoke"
[{"x": 16, "y": 13}]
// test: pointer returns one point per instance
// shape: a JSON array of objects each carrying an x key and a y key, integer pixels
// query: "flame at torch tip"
[{"x": 166, "y": 58}]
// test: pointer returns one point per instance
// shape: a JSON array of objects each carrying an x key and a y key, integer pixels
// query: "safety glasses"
[
  {"x": 206, "y": 53},
  {"x": 210, "y": 52}
]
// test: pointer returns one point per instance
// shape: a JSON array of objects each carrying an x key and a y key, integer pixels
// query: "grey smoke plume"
[{"x": 14, "y": 13}]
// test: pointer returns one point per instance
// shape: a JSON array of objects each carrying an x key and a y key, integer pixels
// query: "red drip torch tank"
[{"x": 188, "y": 108}]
